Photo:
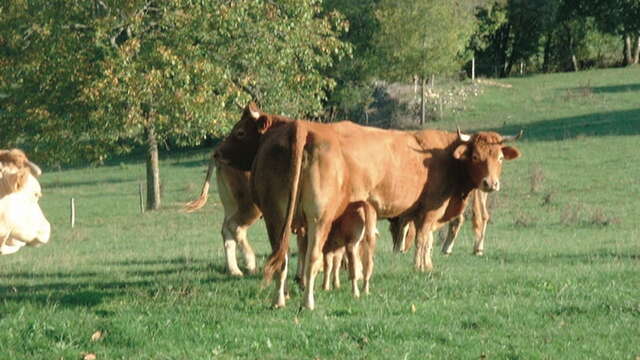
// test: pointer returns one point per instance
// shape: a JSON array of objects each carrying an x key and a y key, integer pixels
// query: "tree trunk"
[
  {"x": 422, "y": 100},
  {"x": 628, "y": 59},
  {"x": 153, "y": 171},
  {"x": 636, "y": 56},
  {"x": 574, "y": 60},
  {"x": 501, "y": 49},
  {"x": 547, "y": 53}
]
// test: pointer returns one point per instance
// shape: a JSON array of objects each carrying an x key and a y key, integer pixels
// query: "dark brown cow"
[
  {"x": 315, "y": 171},
  {"x": 403, "y": 236}
]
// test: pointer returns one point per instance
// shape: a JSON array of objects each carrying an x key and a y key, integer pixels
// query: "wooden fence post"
[
  {"x": 141, "y": 198},
  {"x": 73, "y": 213}
]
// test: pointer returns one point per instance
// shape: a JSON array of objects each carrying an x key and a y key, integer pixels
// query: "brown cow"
[
  {"x": 315, "y": 171},
  {"x": 240, "y": 212},
  {"x": 477, "y": 164},
  {"x": 404, "y": 236}
]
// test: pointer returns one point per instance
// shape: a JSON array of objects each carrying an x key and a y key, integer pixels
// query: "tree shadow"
[
  {"x": 178, "y": 260},
  {"x": 57, "y": 184},
  {"x": 611, "y": 89},
  {"x": 615, "y": 123},
  {"x": 88, "y": 290},
  {"x": 594, "y": 257}
]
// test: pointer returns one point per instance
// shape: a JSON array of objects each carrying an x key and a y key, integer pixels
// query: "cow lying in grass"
[{"x": 21, "y": 219}]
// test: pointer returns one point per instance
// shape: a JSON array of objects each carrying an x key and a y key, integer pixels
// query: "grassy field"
[{"x": 560, "y": 278}]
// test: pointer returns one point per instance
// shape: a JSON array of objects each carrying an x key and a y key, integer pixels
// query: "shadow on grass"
[
  {"x": 600, "y": 257},
  {"x": 57, "y": 184},
  {"x": 134, "y": 262},
  {"x": 615, "y": 123},
  {"x": 58, "y": 275},
  {"x": 614, "y": 88},
  {"x": 90, "y": 289}
]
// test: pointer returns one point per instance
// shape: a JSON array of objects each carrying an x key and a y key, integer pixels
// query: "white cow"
[{"x": 21, "y": 219}]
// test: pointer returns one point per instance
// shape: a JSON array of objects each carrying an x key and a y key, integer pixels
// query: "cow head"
[
  {"x": 21, "y": 219},
  {"x": 483, "y": 154},
  {"x": 239, "y": 148}
]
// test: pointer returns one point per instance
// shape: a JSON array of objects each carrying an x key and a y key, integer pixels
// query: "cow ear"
[
  {"x": 510, "y": 152},
  {"x": 22, "y": 177},
  {"x": 263, "y": 123},
  {"x": 17, "y": 180},
  {"x": 461, "y": 151}
]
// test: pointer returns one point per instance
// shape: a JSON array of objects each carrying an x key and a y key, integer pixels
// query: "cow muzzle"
[{"x": 490, "y": 185}]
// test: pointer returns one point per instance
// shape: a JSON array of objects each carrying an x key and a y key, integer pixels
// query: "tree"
[
  {"x": 354, "y": 74},
  {"x": 618, "y": 17},
  {"x": 153, "y": 72},
  {"x": 421, "y": 38}
]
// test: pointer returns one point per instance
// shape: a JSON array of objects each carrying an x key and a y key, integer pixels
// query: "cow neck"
[{"x": 459, "y": 176}]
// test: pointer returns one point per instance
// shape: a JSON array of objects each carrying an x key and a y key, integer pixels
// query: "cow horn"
[
  {"x": 508, "y": 138},
  {"x": 253, "y": 112},
  {"x": 35, "y": 169},
  {"x": 463, "y": 137}
]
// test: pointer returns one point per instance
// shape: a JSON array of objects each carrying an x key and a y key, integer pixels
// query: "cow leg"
[
  {"x": 328, "y": 268},
  {"x": 410, "y": 237},
  {"x": 370, "y": 238},
  {"x": 367, "y": 266},
  {"x": 9, "y": 246},
  {"x": 275, "y": 223},
  {"x": 454, "y": 228},
  {"x": 302, "y": 253},
  {"x": 337, "y": 262},
  {"x": 317, "y": 236},
  {"x": 424, "y": 245},
  {"x": 480, "y": 220},
  {"x": 247, "y": 250},
  {"x": 229, "y": 236},
  {"x": 355, "y": 267}
]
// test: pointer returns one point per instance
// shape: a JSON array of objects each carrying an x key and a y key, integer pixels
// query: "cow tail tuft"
[
  {"x": 277, "y": 259},
  {"x": 204, "y": 194}
]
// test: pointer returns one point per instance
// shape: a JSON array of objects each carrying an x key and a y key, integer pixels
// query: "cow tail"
[
  {"x": 204, "y": 194},
  {"x": 277, "y": 259}
]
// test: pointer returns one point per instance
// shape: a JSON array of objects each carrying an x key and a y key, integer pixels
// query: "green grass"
[{"x": 560, "y": 278}]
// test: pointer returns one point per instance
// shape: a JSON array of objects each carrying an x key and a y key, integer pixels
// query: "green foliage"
[
  {"x": 354, "y": 74},
  {"x": 84, "y": 79},
  {"x": 421, "y": 37},
  {"x": 46, "y": 60}
]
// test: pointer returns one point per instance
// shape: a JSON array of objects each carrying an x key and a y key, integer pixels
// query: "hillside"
[{"x": 559, "y": 278}]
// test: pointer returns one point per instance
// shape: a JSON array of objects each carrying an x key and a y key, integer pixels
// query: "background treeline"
[{"x": 84, "y": 80}]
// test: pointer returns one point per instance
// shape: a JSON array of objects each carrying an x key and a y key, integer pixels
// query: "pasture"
[{"x": 560, "y": 278}]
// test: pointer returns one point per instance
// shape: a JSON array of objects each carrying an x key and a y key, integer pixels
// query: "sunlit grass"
[{"x": 559, "y": 279}]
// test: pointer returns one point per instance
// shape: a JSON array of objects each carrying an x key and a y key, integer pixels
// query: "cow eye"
[
  {"x": 240, "y": 134},
  {"x": 475, "y": 158}
]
